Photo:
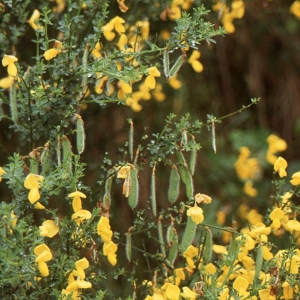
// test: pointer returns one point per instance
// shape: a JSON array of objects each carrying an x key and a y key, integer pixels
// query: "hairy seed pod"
[
  {"x": 193, "y": 157},
  {"x": 80, "y": 134},
  {"x": 188, "y": 235},
  {"x": 13, "y": 103},
  {"x": 213, "y": 135},
  {"x": 46, "y": 159},
  {"x": 133, "y": 197},
  {"x": 173, "y": 247},
  {"x": 173, "y": 191},
  {"x": 153, "y": 191},
  {"x": 107, "y": 194},
  {"x": 207, "y": 246},
  {"x": 185, "y": 175},
  {"x": 184, "y": 137},
  {"x": 258, "y": 263},
  {"x": 67, "y": 154},
  {"x": 130, "y": 142},
  {"x": 84, "y": 68},
  {"x": 58, "y": 151},
  {"x": 177, "y": 65},
  {"x": 128, "y": 247},
  {"x": 161, "y": 237},
  {"x": 166, "y": 62}
]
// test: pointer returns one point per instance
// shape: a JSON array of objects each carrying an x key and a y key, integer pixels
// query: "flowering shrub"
[{"x": 58, "y": 239}]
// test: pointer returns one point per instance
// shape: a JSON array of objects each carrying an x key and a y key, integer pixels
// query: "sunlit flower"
[
  {"x": 6, "y": 82},
  {"x": 76, "y": 203},
  {"x": 295, "y": 178},
  {"x": 1, "y": 173},
  {"x": 43, "y": 254},
  {"x": 202, "y": 198},
  {"x": 49, "y": 228},
  {"x": 109, "y": 250},
  {"x": 295, "y": 9},
  {"x": 241, "y": 285},
  {"x": 276, "y": 215},
  {"x": 35, "y": 15},
  {"x": 103, "y": 228},
  {"x": 189, "y": 254},
  {"x": 9, "y": 62},
  {"x": 32, "y": 183},
  {"x": 51, "y": 53},
  {"x": 150, "y": 81},
  {"x": 292, "y": 225},
  {"x": 175, "y": 83},
  {"x": 80, "y": 216},
  {"x": 122, "y": 6},
  {"x": 172, "y": 292},
  {"x": 193, "y": 60},
  {"x": 196, "y": 213},
  {"x": 280, "y": 166}
]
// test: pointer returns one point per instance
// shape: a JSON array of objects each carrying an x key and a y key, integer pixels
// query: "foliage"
[{"x": 58, "y": 239}]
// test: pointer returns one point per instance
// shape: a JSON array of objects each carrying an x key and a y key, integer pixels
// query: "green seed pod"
[
  {"x": 185, "y": 175},
  {"x": 107, "y": 194},
  {"x": 128, "y": 247},
  {"x": 213, "y": 135},
  {"x": 80, "y": 134},
  {"x": 161, "y": 238},
  {"x": 46, "y": 159},
  {"x": 13, "y": 103},
  {"x": 58, "y": 151},
  {"x": 67, "y": 154},
  {"x": 173, "y": 247},
  {"x": 166, "y": 62},
  {"x": 193, "y": 157},
  {"x": 173, "y": 191},
  {"x": 84, "y": 68},
  {"x": 188, "y": 235},
  {"x": 170, "y": 233},
  {"x": 258, "y": 263},
  {"x": 153, "y": 191},
  {"x": 130, "y": 143},
  {"x": 177, "y": 65},
  {"x": 133, "y": 197},
  {"x": 207, "y": 246}
]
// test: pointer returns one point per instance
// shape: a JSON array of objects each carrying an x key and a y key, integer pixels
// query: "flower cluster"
[
  {"x": 228, "y": 14},
  {"x": 43, "y": 254},
  {"x": 109, "y": 247},
  {"x": 76, "y": 280},
  {"x": 9, "y": 62},
  {"x": 32, "y": 183}
]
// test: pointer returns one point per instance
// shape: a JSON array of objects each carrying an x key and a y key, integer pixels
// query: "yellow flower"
[
  {"x": 122, "y": 6},
  {"x": 295, "y": 178},
  {"x": 276, "y": 144},
  {"x": 124, "y": 89},
  {"x": 288, "y": 292},
  {"x": 9, "y": 61},
  {"x": 175, "y": 83},
  {"x": 35, "y": 15},
  {"x": 1, "y": 173},
  {"x": 295, "y": 9},
  {"x": 237, "y": 9},
  {"x": 123, "y": 172},
  {"x": 293, "y": 225},
  {"x": 115, "y": 23},
  {"x": 196, "y": 213},
  {"x": 241, "y": 285},
  {"x": 174, "y": 12},
  {"x": 202, "y": 198},
  {"x": 49, "y": 228},
  {"x": 6, "y": 82},
  {"x": 158, "y": 94},
  {"x": 51, "y": 53},
  {"x": 188, "y": 293},
  {"x": 43, "y": 254},
  {"x": 96, "y": 51},
  {"x": 280, "y": 166},
  {"x": 109, "y": 250},
  {"x": 276, "y": 215},
  {"x": 193, "y": 60},
  {"x": 104, "y": 231},
  {"x": 32, "y": 183},
  {"x": 249, "y": 190},
  {"x": 76, "y": 203},
  {"x": 81, "y": 215},
  {"x": 172, "y": 292},
  {"x": 150, "y": 81}
]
